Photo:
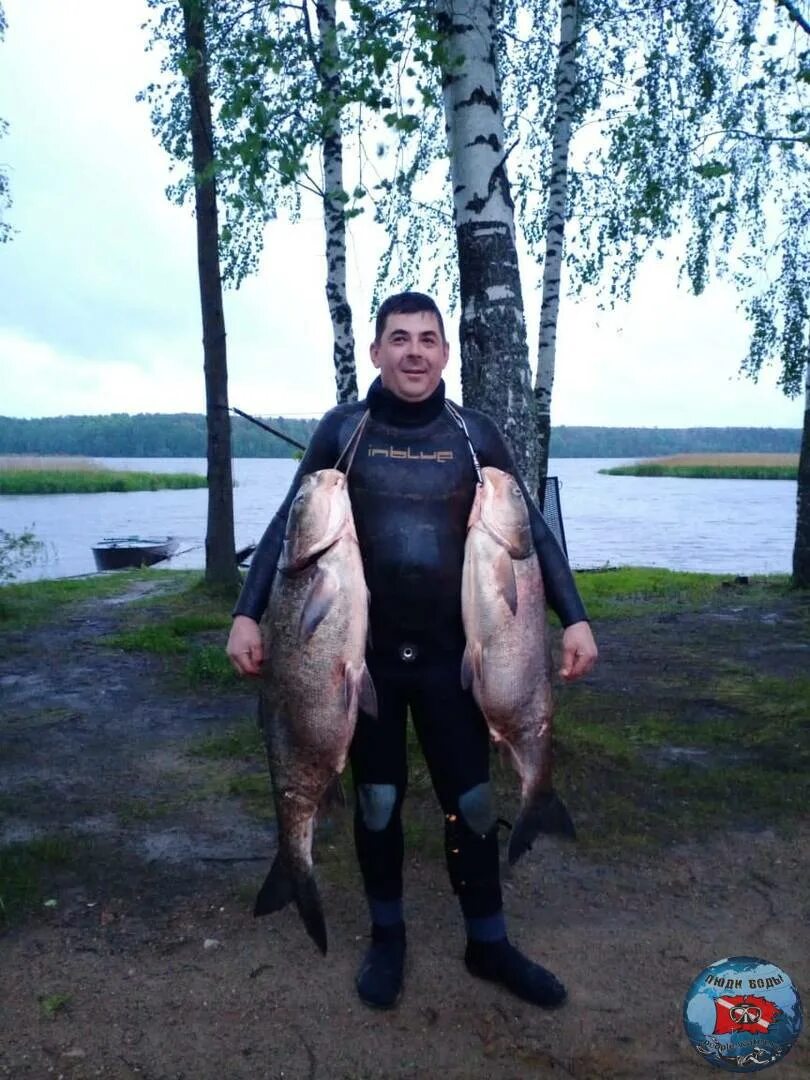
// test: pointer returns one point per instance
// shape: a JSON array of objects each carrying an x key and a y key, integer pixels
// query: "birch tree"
[
  {"x": 494, "y": 351},
  {"x": 220, "y": 560},
  {"x": 5, "y": 194},
  {"x": 328, "y": 66},
  {"x": 565, "y": 82},
  {"x": 801, "y": 547},
  {"x": 277, "y": 85}
]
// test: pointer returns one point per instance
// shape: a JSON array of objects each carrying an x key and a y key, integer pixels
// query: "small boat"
[{"x": 121, "y": 553}]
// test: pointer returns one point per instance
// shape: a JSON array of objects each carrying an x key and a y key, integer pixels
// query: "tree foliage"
[
  {"x": 706, "y": 135},
  {"x": 5, "y": 192},
  {"x": 18, "y": 552}
]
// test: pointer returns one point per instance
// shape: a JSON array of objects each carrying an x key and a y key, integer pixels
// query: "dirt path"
[{"x": 150, "y": 965}]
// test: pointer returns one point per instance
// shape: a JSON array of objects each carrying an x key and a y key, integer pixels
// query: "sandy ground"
[{"x": 150, "y": 964}]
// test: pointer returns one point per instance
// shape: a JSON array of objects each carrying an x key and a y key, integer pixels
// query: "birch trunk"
[
  {"x": 565, "y": 85},
  {"x": 220, "y": 560},
  {"x": 334, "y": 204},
  {"x": 801, "y": 547},
  {"x": 495, "y": 375}
]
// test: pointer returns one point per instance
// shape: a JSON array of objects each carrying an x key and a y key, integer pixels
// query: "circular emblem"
[{"x": 742, "y": 1014}]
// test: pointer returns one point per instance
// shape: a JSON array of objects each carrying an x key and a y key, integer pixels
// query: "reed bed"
[
  {"x": 71, "y": 476},
  {"x": 51, "y": 463},
  {"x": 714, "y": 467}
]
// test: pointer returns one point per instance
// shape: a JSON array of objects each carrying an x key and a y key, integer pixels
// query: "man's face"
[{"x": 411, "y": 355}]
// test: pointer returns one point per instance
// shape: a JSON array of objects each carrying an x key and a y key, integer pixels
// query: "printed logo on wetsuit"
[
  {"x": 408, "y": 455},
  {"x": 742, "y": 1014}
]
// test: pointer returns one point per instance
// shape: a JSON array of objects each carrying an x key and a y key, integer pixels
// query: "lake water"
[{"x": 720, "y": 526}]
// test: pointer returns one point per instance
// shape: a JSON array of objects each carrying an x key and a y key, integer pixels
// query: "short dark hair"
[{"x": 406, "y": 303}]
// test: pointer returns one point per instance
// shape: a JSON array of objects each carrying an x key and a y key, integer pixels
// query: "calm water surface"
[{"x": 720, "y": 526}]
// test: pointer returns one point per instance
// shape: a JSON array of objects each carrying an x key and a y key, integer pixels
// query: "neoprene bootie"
[
  {"x": 379, "y": 978},
  {"x": 500, "y": 962}
]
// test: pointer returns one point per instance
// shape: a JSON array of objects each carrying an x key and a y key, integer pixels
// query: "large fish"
[
  {"x": 314, "y": 678},
  {"x": 507, "y": 660}
]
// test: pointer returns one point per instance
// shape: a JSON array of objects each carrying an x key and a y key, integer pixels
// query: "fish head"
[
  {"x": 503, "y": 513},
  {"x": 319, "y": 515}
]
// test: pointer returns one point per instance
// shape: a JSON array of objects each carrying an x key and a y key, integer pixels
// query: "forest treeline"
[{"x": 184, "y": 435}]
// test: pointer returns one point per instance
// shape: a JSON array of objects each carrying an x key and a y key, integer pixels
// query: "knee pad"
[
  {"x": 475, "y": 807},
  {"x": 377, "y": 802}
]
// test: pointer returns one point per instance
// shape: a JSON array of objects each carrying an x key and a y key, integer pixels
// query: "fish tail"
[
  {"x": 285, "y": 884},
  {"x": 546, "y": 813}
]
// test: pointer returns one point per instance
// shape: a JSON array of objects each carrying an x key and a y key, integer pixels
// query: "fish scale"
[
  {"x": 314, "y": 678},
  {"x": 507, "y": 659}
]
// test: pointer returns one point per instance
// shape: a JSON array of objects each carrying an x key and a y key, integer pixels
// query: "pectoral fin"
[
  {"x": 504, "y": 572},
  {"x": 322, "y": 593},
  {"x": 472, "y": 666},
  {"x": 359, "y": 690},
  {"x": 366, "y": 694}
]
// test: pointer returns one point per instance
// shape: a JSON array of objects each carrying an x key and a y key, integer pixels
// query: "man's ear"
[{"x": 373, "y": 352}]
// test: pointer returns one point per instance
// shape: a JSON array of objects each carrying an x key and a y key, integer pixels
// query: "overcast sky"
[{"x": 99, "y": 309}]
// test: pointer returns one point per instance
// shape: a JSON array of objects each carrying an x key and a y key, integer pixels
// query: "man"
[{"x": 412, "y": 480}]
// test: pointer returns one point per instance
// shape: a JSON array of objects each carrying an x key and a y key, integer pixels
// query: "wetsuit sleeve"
[
  {"x": 321, "y": 453},
  {"x": 561, "y": 590}
]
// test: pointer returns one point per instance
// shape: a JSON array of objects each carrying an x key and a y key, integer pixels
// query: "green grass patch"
[
  {"x": 634, "y": 772},
  {"x": 254, "y": 791},
  {"x": 633, "y": 590},
  {"x": 91, "y": 481},
  {"x": 24, "y": 870},
  {"x": 207, "y": 666},
  {"x": 50, "y": 1005},
  {"x": 243, "y": 742},
  {"x": 30, "y": 603},
  {"x": 170, "y": 636},
  {"x": 708, "y": 472}
]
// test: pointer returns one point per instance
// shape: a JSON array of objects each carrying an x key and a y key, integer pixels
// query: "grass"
[
  {"x": 166, "y": 626},
  {"x": 639, "y": 591},
  {"x": 24, "y": 870},
  {"x": 36, "y": 463},
  {"x": 51, "y": 1005},
  {"x": 715, "y": 467},
  {"x": 243, "y": 741},
  {"x": 91, "y": 481},
  {"x": 25, "y": 605},
  {"x": 168, "y": 637},
  {"x": 636, "y": 776}
]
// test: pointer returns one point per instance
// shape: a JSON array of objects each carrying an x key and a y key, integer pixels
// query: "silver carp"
[
  {"x": 507, "y": 660},
  {"x": 314, "y": 677}
]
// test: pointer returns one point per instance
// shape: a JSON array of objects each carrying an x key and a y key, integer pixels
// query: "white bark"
[
  {"x": 333, "y": 207},
  {"x": 494, "y": 354},
  {"x": 801, "y": 547},
  {"x": 565, "y": 85}
]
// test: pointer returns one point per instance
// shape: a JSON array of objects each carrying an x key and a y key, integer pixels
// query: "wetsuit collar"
[{"x": 389, "y": 409}]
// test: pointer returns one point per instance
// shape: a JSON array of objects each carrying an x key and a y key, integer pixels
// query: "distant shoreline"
[
  {"x": 714, "y": 467},
  {"x": 183, "y": 435}
]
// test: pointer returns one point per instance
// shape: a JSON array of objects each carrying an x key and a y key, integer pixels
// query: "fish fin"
[
  {"x": 333, "y": 796},
  {"x": 358, "y": 690},
  {"x": 466, "y": 669},
  {"x": 277, "y": 890},
  {"x": 472, "y": 665},
  {"x": 545, "y": 814},
  {"x": 504, "y": 571},
  {"x": 283, "y": 885},
  {"x": 319, "y": 600},
  {"x": 366, "y": 694}
]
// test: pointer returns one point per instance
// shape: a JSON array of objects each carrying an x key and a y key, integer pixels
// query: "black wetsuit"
[{"x": 412, "y": 482}]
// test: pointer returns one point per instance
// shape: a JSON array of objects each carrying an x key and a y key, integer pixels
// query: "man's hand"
[
  {"x": 579, "y": 651},
  {"x": 244, "y": 646}
]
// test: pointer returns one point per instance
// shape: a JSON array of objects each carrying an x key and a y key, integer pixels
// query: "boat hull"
[{"x": 131, "y": 552}]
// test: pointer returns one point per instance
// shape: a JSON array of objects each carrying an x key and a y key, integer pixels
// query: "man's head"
[{"x": 409, "y": 347}]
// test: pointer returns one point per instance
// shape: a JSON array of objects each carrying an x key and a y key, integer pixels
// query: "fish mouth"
[{"x": 289, "y": 567}]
